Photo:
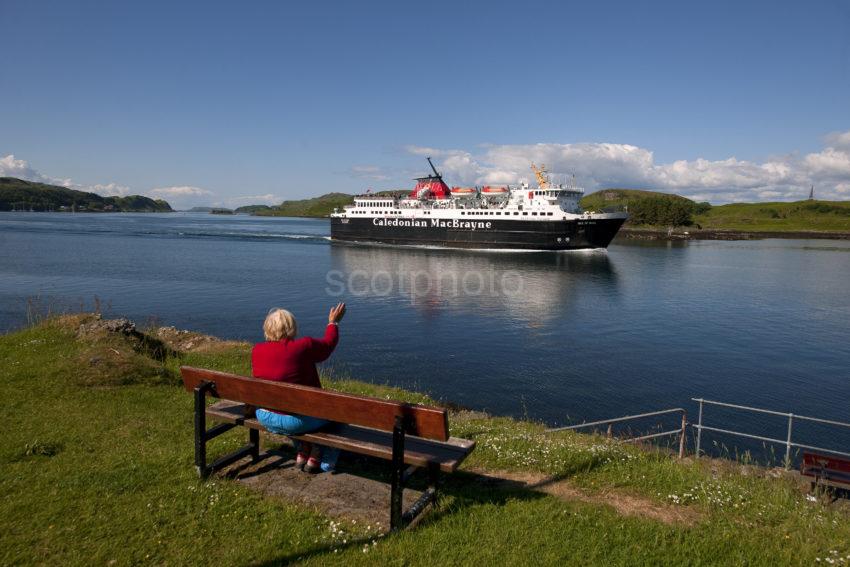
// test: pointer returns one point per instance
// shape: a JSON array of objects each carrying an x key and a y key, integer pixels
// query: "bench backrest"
[{"x": 422, "y": 421}]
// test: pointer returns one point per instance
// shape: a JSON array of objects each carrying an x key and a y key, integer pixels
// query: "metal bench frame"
[{"x": 398, "y": 518}]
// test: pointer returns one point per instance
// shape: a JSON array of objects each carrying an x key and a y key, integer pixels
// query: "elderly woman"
[{"x": 284, "y": 358}]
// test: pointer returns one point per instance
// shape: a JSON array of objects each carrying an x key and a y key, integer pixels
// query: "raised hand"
[{"x": 337, "y": 313}]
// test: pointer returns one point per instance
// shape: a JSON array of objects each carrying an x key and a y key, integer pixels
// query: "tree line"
[{"x": 665, "y": 211}]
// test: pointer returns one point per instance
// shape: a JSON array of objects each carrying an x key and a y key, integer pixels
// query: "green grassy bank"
[
  {"x": 827, "y": 216},
  {"x": 96, "y": 469}
]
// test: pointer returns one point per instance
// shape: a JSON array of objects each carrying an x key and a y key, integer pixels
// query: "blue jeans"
[{"x": 296, "y": 425}]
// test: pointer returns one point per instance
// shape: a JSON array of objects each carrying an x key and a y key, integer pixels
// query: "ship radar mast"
[{"x": 540, "y": 173}]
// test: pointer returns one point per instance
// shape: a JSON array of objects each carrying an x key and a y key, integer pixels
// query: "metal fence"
[
  {"x": 788, "y": 441},
  {"x": 609, "y": 422}
]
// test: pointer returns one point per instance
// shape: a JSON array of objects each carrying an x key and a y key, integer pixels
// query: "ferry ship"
[{"x": 517, "y": 217}]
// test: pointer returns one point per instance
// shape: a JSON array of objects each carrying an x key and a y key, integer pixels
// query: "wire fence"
[
  {"x": 699, "y": 427},
  {"x": 681, "y": 431},
  {"x": 788, "y": 442}
]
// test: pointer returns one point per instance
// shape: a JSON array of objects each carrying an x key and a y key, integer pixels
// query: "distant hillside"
[
  {"x": 315, "y": 207},
  {"x": 17, "y": 194},
  {"x": 617, "y": 198},
  {"x": 646, "y": 208},
  {"x": 252, "y": 209},
  {"x": 651, "y": 208},
  {"x": 831, "y": 216}
]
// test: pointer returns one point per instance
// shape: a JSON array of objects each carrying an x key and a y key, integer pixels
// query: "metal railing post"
[
  {"x": 699, "y": 428},
  {"x": 682, "y": 435},
  {"x": 788, "y": 442}
]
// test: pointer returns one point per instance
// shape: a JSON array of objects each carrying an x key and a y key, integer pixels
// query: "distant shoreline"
[{"x": 631, "y": 233}]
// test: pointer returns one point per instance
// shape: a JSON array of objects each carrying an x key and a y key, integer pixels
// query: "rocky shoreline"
[{"x": 627, "y": 233}]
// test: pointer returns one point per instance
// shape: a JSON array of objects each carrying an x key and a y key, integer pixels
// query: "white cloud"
[
  {"x": 110, "y": 190},
  {"x": 12, "y": 167},
  {"x": 184, "y": 196},
  {"x": 179, "y": 191},
  {"x": 372, "y": 172},
  {"x": 267, "y": 199},
  {"x": 838, "y": 139},
  {"x": 599, "y": 165}
]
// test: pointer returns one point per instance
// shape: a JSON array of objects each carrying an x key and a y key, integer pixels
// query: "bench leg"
[
  {"x": 433, "y": 480},
  {"x": 397, "y": 489},
  {"x": 254, "y": 442},
  {"x": 201, "y": 429},
  {"x": 428, "y": 497},
  {"x": 202, "y": 435}
]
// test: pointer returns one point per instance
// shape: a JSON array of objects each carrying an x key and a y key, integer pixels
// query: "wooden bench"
[
  {"x": 402, "y": 433},
  {"x": 827, "y": 470}
]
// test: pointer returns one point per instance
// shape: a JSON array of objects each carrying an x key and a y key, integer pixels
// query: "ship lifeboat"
[
  {"x": 494, "y": 190},
  {"x": 463, "y": 192}
]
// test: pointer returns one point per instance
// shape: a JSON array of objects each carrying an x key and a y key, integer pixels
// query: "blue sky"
[{"x": 232, "y": 103}]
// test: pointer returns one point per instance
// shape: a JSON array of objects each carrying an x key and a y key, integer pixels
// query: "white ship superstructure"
[{"x": 546, "y": 217}]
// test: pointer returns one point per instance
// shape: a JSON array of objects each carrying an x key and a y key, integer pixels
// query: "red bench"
[
  {"x": 402, "y": 433},
  {"x": 826, "y": 470}
]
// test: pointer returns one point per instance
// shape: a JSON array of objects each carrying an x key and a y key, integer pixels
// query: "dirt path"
[
  {"x": 359, "y": 497},
  {"x": 625, "y": 504}
]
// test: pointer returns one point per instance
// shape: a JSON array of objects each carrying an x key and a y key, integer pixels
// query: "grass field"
[
  {"x": 799, "y": 216},
  {"x": 96, "y": 469},
  {"x": 829, "y": 216}
]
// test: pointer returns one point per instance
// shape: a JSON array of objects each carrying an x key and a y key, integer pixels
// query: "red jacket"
[{"x": 293, "y": 360}]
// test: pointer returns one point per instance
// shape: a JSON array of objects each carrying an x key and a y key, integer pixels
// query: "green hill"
[
  {"x": 616, "y": 198},
  {"x": 646, "y": 208},
  {"x": 252, "y": 209},
  {"x": 316, "y": 207},
  {"x": 654, "y": 209},
  {"x": 831, "y": 216},
  {"x": 17, "y": 194}
]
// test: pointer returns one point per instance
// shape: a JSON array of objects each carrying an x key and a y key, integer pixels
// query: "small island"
[{"x": 20, "y": 195}]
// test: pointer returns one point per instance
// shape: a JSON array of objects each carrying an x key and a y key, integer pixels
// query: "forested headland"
[{"x": 20, "y": 195}]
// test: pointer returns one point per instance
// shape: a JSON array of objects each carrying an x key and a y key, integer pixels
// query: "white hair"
[{"x": 279, "y": 324}]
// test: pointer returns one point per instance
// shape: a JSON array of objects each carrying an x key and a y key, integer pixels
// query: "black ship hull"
[{"x": 575, "y": 234}]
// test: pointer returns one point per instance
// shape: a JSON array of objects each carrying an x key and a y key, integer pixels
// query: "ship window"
[
  {"x": 500, "y": 214},
  {"x": 516, "y": 214},
  {"x": 534, "y": 214},
  {"x": 463, "y": 213},
  {"x": 550, "y": 214},
  {"x": 525, "y": 214}
]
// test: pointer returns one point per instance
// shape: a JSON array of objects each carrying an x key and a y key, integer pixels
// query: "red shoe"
[
  {"x": 301, "y": 460},
  {"x": 302, "y": 453},
  {"x": 313, "y": 465}
]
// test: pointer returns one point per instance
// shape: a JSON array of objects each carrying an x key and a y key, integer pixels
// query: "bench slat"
[
  {"x": 363, "y": 440},
  {"x": 422, "y": 421}
]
